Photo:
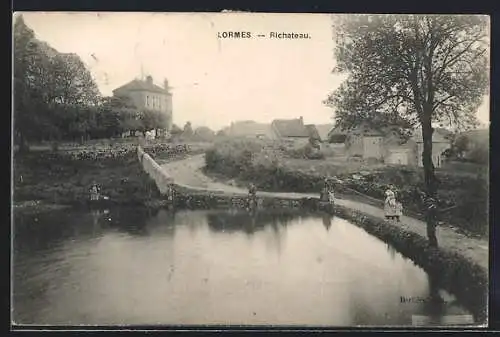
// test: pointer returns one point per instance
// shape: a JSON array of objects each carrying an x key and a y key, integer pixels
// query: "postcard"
[{"x": 249, "y": 170}]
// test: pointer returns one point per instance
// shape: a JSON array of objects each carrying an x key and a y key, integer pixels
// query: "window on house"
[{"x": 147, "y": 100}]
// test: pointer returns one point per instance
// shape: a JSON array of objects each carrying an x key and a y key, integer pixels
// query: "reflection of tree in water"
[
  {"x": 436, "y": 306},
  {"x": 131, "y": 221},
  {"x": 248, "y": 222},
  {"x": 392, "y": 251},
  {"x": 166, "y": 220},
  {"x": 440, "y": 304},
  {"x": 327, "y": 221},
  {"x": 36, "y": 232}
]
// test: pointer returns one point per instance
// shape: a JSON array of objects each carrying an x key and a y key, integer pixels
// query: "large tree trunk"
[{"x": 430, "y": 182}]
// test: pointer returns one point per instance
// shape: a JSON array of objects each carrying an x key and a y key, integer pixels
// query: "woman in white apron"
[{"x": 390, "y": 205}]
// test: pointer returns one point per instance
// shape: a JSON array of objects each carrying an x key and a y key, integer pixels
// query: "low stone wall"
[
  {"x": 151, "y": 167},
  {"x": 189, "y": 197}
]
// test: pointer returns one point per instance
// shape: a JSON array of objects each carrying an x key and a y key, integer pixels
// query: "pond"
[{"x": 134, "y": 267}]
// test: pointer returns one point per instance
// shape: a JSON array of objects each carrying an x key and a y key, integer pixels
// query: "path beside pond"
[{"x": 188, "y": 173}]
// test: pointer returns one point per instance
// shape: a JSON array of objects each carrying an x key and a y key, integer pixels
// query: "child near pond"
[
  {"x": 393, "y": 209},
  {"x": 94, "y": 191}
]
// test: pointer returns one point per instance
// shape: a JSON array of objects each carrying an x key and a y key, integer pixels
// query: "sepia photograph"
[{"x": 249, "y": 170}]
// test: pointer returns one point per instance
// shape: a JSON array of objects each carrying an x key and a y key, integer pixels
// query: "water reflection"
[
  {"x": 248, "y": 222},
  {"x": 127, "y": 266},
  {"x": 327, "y": 221}
]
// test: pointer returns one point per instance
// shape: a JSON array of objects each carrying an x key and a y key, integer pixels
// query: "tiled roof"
[
  {"x": 139, "y": 85},
  {"x": 290, "y": 128}
]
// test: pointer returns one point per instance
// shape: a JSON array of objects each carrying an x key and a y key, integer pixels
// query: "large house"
[
  {"x": 148, "y": 96},
  {"x": 387, "y": 146}
]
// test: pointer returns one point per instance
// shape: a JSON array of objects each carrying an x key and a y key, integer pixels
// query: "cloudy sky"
[{"x": 214, "y": 81}]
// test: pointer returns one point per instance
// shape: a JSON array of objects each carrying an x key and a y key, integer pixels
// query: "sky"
[{"x": 214, "y": 81}]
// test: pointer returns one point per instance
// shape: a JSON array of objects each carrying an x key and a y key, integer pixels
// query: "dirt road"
[{"x": 188, "y": 173}]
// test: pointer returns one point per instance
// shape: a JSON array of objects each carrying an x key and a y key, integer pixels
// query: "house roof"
[
  {"x": 290, "y": 128},
  {"x": 139, "y": 85},
  {"x": 247, "y": 128}
]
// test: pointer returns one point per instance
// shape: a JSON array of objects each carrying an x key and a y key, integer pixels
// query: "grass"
[{"x": 65, "y": 177}]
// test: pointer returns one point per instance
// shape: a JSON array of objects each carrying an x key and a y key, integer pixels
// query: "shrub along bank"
[{"x": 463, "y": 199}]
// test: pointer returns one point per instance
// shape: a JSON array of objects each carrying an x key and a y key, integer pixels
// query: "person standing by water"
[
  {"x": 330, "y": 191},
  {"x": 393, "y": 209},
  {"x": 252, "y": 196},
  {"x": 94, "y": 191},
  {"x": 390, "y": 204},
  {"x": 323, "y": 196}
]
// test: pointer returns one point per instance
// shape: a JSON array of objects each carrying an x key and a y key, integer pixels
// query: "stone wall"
[{"x": 151, "y": 167}]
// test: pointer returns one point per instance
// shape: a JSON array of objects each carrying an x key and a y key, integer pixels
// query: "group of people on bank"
[{"x": 393, "y": 209}]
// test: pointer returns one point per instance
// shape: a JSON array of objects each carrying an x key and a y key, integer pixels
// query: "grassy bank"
[
  {"x": 64, "y": 177},
  {"x": 464, "y": 197}
]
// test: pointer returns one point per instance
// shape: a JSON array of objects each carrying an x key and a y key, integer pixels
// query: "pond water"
[{"x": 129, "y": 266}]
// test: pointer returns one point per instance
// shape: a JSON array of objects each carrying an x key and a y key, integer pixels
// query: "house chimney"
[
  {"x": 149, "y": 79},
  {"x": 165, "y": 84},
  {"x": 301, "y": 120}
]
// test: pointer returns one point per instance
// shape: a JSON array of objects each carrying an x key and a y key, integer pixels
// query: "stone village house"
[
  {"x": 291, "y": 131},
  {"x": 387, "y": 146},
  {"x": 148, "y": 96}
]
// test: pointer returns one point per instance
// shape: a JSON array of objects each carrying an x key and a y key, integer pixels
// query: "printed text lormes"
[{"x": 270, "y": 35}]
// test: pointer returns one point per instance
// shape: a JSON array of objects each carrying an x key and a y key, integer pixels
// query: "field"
[{"x": 463, "y": 194}]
